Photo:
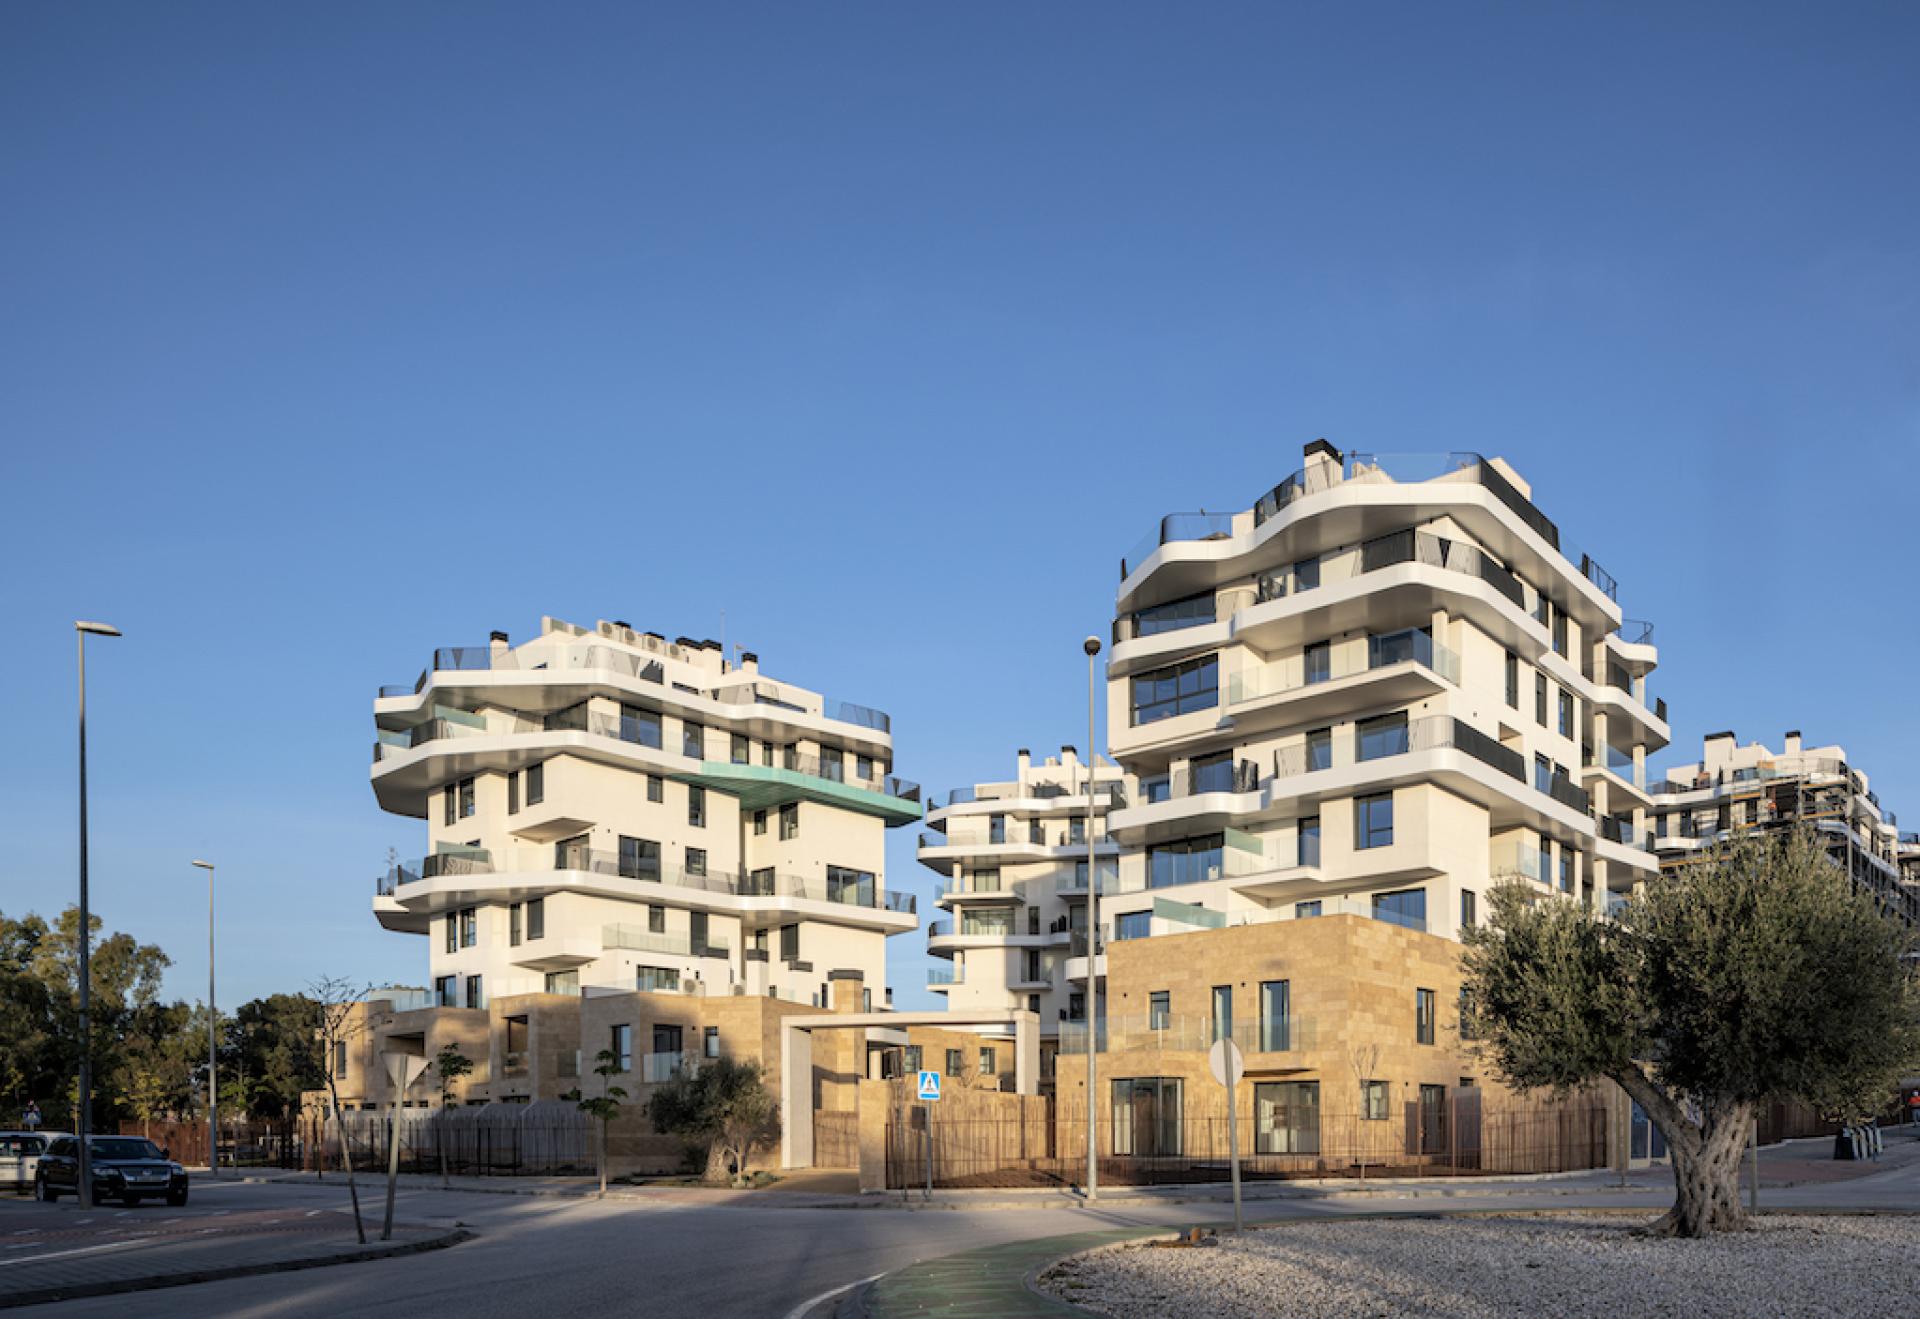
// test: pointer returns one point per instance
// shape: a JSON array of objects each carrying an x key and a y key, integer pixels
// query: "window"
[
  {"x": 1306, "y": 574},
  {"x": 1542, "y": 773},
  {"x": 1157, "y": 788},
  {"x": 1159, "y": 1009},
  {"x": 710, "y": 1042},
  {"x": 1192, "y": 611},
  {"x": 563, "y": 982},
  {"x": 466, "y": 798},
  {"x": 1175, "y": 690},
  {"x": 1076, "y": 1005},
  {"x": 339, "y": 1057},
  {"x": 1307, "y": 852},
  {"x": 639, "y": 858},
  {"x": 1540, "y": 699},
  {"x": 444, "y": 992},
  {"x": 1286, "y": 1117},
  {"x": 656, "y": 788},
  {"x": 1433, "y": 1119},
  {"x": 1133, "y": 925},
  {"x": 1373, "y": 1101},
  {"x": 621, "y": 1046},
  {"x": 789, "y": 821},
  {"x": 863, "y": 768},
  {"x": 1303, "y": 909},
  {"x": 453, "y": 931},
  {"x": 536, "y": 784},
  {"x": 1276, "y": 1020},
  {"x": 1412, "y": 643},
  {"x": 1466, "y": 1024},
  {"x": 956, "y": 1062},
  {"x": 1513, "y": 688},
  {"x": 740, "y": 750},
  {"x": 766, "y": 754},
  {"x": 1188, "y": 861},
  {"x": 789, "y": 943},
  {"x": 1373, "y": 821},
  {"x": 1469, "y": 908},
  {"x": 656, "y": 920},
  {"x": 911, "y": 1062},
  {"x": 513, "y": 793},
  {"x": 1384, "y": 735},
  {"x": 1566, "y": 870},
  {"x": 1560, "y": 631},
  {"x": 514, "y": 914},
  {"x": 1423, "y": 1006},
  {"x": 447, "y": 798},
  {"x": 469, "y": 927},
  {"x": 855, "y": 887},
  {"x": 996, "y": 828},
  {"x": 1222, "y": 999},
  {"x": 536, "y": 919},
  {"x": 1319, "y": 662},
  {"x": 640, "y": 726},
  {"x": 985, "y": 879},
  {"x": 656, "y": 979},
  {"x": 1319, "y": 749},
  {"x": 697, "y": 806},
  {"x": 475, "y": 999},
  {"x": 760, "y": 821},
  {"x": 833, "y": 764},
  {"x": 986, "y": 1061},
  {"x": 1566, "y": 713},
  {"x": 1146, "y": 1115},
  {"x": 1545, "y": 875},
  {"x": 693, "y": 740},
  {"x": 1405, "y": 907}
]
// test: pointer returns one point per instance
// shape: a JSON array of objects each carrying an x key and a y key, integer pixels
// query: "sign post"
[
  {"x": 929, "y": 1096},
  {"x": 1227, "y": 1066},
  {"x": 403, "y": 1069}
]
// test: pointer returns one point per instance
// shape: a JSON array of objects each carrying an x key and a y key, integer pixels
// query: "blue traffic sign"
[{"x": 929, "y": 1086}]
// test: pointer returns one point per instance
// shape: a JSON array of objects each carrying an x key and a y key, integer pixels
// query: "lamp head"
[
  {"x": 98, "y": 629},
  {"x": 1091, "y": 645},
  {"x": 204, "y": 865}
]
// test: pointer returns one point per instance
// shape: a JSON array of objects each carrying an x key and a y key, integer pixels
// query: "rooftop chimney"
[
  {"x": 749, "y": 662},
  {"x": 1793, "y": 743},
  {"x": 1025, "y": 760},
  {"x": 497, "y": 643}
]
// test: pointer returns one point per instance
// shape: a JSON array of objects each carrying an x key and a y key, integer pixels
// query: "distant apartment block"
[{"x": 1734, "y": 790}]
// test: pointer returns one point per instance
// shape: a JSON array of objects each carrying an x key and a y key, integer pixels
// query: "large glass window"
[
  {"x": 1212, "y": 773},
  {"x": 469, "y": 927},
  {"x": 697, "y": 806},
  {"x": 1414, "y": 643},
  {"x": 1383, "y": 735},
  {"x": 1223, "y": 1012},
  {"x": 1469, "y": 908},
  {"x": 1308, "y": 853},
  {"x": 1276, "y": 1007},
  {"x": 655, "y": 979},
  {"x": 1513, "y": 680},
  {"x": 1423, "y": 1016},
  {"x": 789, "y": 943},
  {"x": 1159, "y": 1010},
  {"x": 639, "y": 858},
  {"x": 1540, "y": 699},
  {"x": 1306, "y": 574},
  {"x": 1302, "y": 910},
  {"x": 1566, "y": 713},
  {"x": 693, "y": 740},
  {"x": 1175, "y": 690},
  {"x": 476, "y": 997},
  {"x": 1188, "y": 861},
  {"x": 1373, "y": 1101},
  {"x": 1146, "y": 1116},
  {"x": 1404, "y": 907},
  {"x": 563, "y": 982},
  {"x": 1175, "y": 614},
  {"x": 996, "y": 829},
  {"x": 855, "y": 887},
  {"x": 536, "y": 784},
  {"x": 536, "y": 919},
  {"x": 621, "y": 1046},
  {"x": 789, "y": 821},
  {"x": 1433, "y": 1119},
  {"x": 444, "y": 993},
  {"x": 740, "y": 749},
  {"x": 1319, "y": 662},
  {"x": 639, "y": 726},
  {"x": 466, "y": 798},
  {"x": 1373, "y": 821},
  {"x": 1286, "y": 1116},
  {"x": 1319, "y": 749}
]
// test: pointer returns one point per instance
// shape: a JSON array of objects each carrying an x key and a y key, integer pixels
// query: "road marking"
[
  {"x": 311, "y": 1213},
  {"x": 58, "y": 1254},
  {"x": 799, "y": 1310},
  {"x": 26, "y": 1231}
]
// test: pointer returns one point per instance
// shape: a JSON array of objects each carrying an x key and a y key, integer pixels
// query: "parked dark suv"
[{"x": 125, "y": 1168}]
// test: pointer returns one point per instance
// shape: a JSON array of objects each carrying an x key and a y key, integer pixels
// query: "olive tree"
[
  {"x": 1755, "y": 974},
  {"x": 723, "y": 1105}
]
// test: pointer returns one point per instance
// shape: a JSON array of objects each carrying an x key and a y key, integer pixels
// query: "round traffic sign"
[{"x": 1225, "y": 1055}]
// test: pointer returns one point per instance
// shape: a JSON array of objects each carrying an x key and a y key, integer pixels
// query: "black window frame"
[{"x": 1367, "y": 832}]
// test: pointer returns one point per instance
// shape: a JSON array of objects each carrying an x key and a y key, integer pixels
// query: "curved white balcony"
[
  {"x": 1017, "y": 847},
  {"x": 966, "y": 804}
]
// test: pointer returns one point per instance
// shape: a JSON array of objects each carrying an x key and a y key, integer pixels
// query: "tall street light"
[
  {"x": 213, "y": 1124},
  {"x": 1092, "y": 646},
  {"x": 81, "y": 629}
]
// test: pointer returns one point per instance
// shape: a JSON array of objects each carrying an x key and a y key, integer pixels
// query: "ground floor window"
[
  {"x": 1433, "y": 1119},
  {"x": 1146, "y": 1115},
  {"x": 1286, "y": 1117}
]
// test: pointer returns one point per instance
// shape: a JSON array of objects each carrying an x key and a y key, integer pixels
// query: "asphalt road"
[{"x": 542, "y": 1255}]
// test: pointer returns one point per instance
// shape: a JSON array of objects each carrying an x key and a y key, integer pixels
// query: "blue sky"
[{"x": 339, "y": 332}]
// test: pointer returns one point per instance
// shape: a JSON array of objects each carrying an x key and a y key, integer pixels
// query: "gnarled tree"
[{"x": 1753, "y": 975}]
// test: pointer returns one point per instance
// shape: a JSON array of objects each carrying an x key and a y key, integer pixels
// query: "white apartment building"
[
  {"x": 1014, "y": 859},
  {"x": 609, "y": 811},
  {"x": 1734, "y": 789},
  {"x": 1387, "y": 684}
]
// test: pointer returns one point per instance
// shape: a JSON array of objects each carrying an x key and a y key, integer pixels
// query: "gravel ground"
[{"x": 1557, "y": 1264}]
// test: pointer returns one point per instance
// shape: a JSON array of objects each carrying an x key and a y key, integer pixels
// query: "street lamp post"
[
  {"x": 213, "y": 1094},
  {"x": 1092, "y": 646},
  {"x": 83, "y": 1119}
]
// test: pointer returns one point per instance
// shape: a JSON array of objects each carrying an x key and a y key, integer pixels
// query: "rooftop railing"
[{"x": 1635, "y": 632}]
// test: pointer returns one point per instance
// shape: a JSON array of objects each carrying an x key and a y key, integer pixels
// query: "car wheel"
[
  {"x": 43, "y": 1192},
  {"x": 177, "y": 1198}
]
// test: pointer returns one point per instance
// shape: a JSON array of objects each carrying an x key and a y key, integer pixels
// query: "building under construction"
[{"x": 1738, "y": 789}]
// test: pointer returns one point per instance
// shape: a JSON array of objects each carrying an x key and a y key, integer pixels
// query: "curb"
[{"x": 152, "y": 1282}]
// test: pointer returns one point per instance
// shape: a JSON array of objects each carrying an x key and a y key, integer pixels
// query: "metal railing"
[
  {"x": 1635, "y": 632},
  {"x": 633, "y": 938},
  {"x": 1170, "y": 1033}
]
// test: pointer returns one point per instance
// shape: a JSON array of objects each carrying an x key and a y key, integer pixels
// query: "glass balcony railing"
[
  {"x": 1301, "y": 672},
  {"x": 633, "y": 938},
  {"x": 658, "y": 1067},
  {"x": 1170, "y": 1033}
]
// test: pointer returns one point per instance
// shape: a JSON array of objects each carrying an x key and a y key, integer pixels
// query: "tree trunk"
[
  {"x": 717, "y": 1173},
  {"x": 346, "y": 1160},
  {"x": 1706, "y": 1160}
]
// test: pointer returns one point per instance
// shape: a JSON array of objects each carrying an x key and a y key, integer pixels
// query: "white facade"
[
  {"x": 1014, "y": 857},
  {"x": 1734, "y": 789},
  {"x": 607, "y": 810},
  {"x": 1381, "y": 689}
]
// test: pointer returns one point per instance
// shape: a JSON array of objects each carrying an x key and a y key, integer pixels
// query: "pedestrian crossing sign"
[{"x": 929, "y": 1086}]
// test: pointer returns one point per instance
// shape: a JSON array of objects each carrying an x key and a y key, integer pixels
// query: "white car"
[{"x": 20, "y": 1153}]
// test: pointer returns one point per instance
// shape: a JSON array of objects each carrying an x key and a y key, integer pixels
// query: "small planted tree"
[
  {"x": 339, "y": 1021},
  {"x": 449, "y": 1065},
  {"x": 604, "y": 1107},
  {"x": 724, "y": 1106},
  {"x": 1754, "y": 975}
]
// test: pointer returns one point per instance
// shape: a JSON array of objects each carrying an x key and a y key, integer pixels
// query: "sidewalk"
[{"x": 59, "y": 1252}]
